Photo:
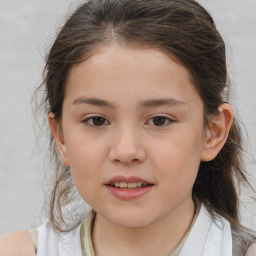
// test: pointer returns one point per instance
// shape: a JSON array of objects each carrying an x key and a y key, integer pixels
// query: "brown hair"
[{"x": 181, "y": 28}]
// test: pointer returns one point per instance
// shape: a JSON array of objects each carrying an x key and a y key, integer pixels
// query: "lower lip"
[{"x": 128, "y": 194}]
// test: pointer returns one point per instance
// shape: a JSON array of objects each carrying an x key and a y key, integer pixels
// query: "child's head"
[{"x": 175, "y": 32}]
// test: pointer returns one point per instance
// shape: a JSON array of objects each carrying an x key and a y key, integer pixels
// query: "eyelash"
[
  {"x": 166, "y": 119},
  {"x": 92, "y": 118}
]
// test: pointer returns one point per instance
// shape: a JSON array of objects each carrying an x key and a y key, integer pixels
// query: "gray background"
[{"x": 27, "y": 28}]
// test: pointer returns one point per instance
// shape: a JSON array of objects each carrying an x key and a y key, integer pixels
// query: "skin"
[
  {"x": 18, "y": 243},
  {"x": 128, "y": 142}
]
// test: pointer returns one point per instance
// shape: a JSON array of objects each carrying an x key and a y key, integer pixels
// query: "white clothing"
[
  {"x": 58, "y": 244},
  {"x": 207, "y": 237}
]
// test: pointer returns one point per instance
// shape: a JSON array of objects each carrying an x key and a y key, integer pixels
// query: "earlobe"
[
  {"x": 58, "y": 137},
  {"x": 217, "y": 132}
]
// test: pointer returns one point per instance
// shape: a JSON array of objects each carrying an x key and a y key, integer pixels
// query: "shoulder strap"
[{"x": 34, "y": 237}]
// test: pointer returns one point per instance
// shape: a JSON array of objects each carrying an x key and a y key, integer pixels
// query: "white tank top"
[
  {"x": 207, "y": 238},
  {"x": 60, "y": 244}
]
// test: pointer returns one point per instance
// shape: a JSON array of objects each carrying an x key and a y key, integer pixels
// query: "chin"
[{"x": 129, "y": 219}]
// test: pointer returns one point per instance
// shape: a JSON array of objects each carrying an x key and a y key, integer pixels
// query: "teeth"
[
  {"x": 129, "y": 185},
  {"x": 132, "y": 185},
  {"x": 123, "y": 185}
]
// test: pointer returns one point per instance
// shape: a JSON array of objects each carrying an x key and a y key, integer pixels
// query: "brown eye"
[
  {"x": 96, "y": 121},
  {"x": 160, "y": 121}
]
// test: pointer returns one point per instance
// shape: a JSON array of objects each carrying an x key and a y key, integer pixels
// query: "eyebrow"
[
  {"x": 93, "y": 101},
  {"x": 142, "y": 104},
  {"x": 160, "y": 102}
]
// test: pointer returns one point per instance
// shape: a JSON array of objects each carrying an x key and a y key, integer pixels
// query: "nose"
[{"x": 127, "y": 147}]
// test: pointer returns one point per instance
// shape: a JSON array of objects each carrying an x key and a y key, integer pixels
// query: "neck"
[{"x": 160, "y": 237}]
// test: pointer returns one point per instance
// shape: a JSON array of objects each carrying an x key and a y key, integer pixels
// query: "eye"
[
  {"x": 160, "y": 121},
  {"x": 96, "y": 121}
]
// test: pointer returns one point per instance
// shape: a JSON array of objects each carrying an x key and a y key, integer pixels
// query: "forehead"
[{"x": 118, "y": 72}]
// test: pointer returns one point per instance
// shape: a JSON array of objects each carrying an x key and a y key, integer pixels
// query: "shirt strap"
[{"x": 34, "y": 237}]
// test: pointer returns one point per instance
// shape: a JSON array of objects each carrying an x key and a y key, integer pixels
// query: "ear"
[
  {"x": 59, "y": 138},
  {"x": 217, "y": 132}
]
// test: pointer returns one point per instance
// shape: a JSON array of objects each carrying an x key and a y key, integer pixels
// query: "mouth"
[
  {"x": 132, "y": 182},
  {"x": 128, "y": 188},
  {"x": 130, "y": 185}
]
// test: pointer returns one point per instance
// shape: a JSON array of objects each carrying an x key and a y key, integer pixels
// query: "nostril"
[{"x": 127, "y": 155}]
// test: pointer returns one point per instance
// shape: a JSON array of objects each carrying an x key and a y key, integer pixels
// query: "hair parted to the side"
[{"x": 180, "y": 28}]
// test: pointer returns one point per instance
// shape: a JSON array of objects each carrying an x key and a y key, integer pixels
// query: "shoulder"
[
  {"x": 252, "y": 250},
  {"x": 243, "y": 240},
  {"x": 17, "y": 244}
]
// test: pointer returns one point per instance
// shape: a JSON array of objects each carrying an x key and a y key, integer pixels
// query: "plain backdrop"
[{"x": 27, "y": 29}]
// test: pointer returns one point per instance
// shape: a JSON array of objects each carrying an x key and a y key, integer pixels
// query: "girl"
[{"x": 136, "y": 97}]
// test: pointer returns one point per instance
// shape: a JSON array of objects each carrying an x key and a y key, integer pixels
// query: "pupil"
[
  {"x": 159, "y": 121},
  {"x": 98, "y": 121}
]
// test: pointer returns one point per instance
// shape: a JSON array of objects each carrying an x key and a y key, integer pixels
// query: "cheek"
[
  {"x": 179, "y": 157},
  {"x": 85, "y": 166},
  {"x": 83, "y": 147},
  {"x": 86, "y": 155}
]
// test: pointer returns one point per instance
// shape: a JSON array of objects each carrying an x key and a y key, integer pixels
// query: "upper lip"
[{"x": 130, "y": 179}]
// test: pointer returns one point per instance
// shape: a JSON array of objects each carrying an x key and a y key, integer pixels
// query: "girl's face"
[{"x": 132, "y": 117}]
